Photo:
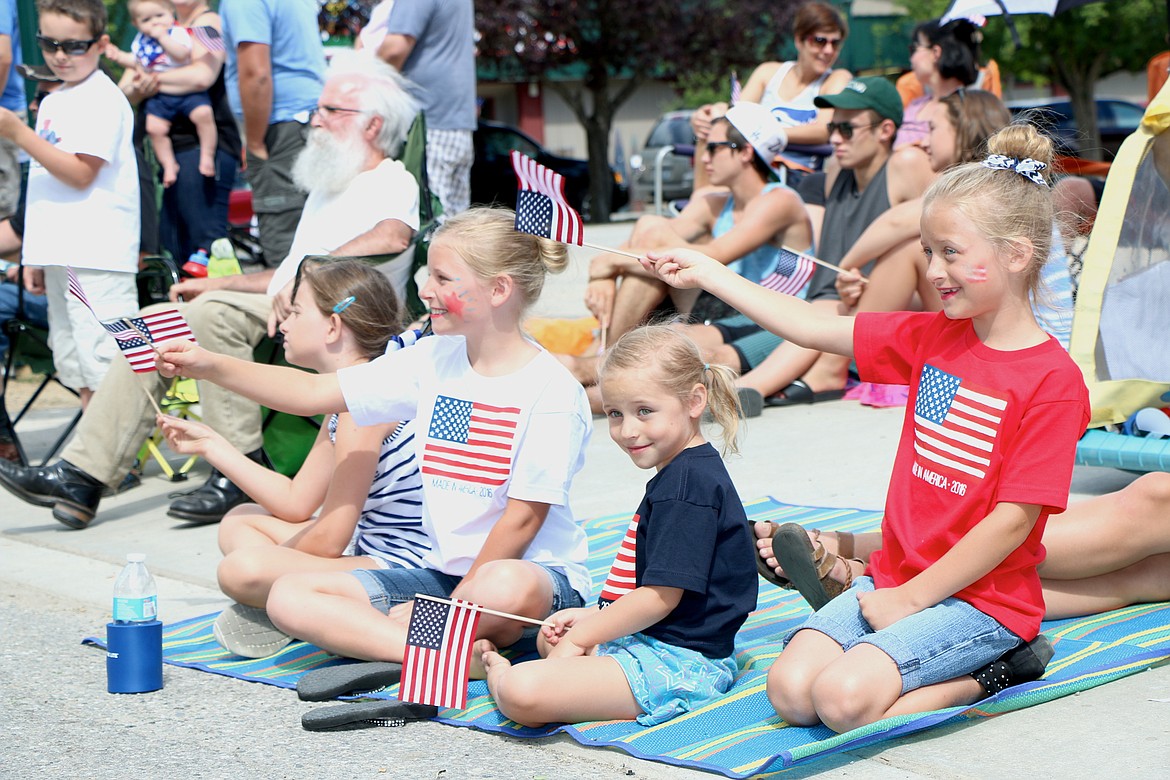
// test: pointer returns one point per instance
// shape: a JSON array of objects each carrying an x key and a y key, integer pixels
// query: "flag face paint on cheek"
[
  {"x": 977, "y": 274},
  {"x": 453, "y": 303}
]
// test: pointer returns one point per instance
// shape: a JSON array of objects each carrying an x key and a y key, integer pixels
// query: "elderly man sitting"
[{"x": 361, "y": 202}]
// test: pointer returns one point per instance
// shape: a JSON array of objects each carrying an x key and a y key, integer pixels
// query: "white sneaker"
[{"x": 247, "y": 631}]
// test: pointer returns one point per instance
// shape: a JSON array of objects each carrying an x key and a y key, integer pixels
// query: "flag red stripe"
[{"x": 459, "y": 453}]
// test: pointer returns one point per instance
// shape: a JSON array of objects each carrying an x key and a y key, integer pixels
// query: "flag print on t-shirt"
[
  {"x": 955, "y": 425},
  {"x": 622, "y": 574},
  {"x": 470, "y": 441}
]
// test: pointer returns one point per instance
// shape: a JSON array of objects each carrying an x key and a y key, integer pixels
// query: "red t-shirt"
[{"x": 981, "y": 427}]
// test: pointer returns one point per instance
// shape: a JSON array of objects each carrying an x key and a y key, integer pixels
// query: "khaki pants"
[{"x": 119, "y": 416}]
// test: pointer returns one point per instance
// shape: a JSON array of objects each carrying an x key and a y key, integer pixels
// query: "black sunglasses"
[
  {"x": 713, "y": 146},
  {"x": 846, "y": 129},
  {"x": 821, "y": 41},
  {"x": 72, "y": 48}
]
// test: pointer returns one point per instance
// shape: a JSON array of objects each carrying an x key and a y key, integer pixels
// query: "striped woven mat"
[{"x": 740, "y": 735}]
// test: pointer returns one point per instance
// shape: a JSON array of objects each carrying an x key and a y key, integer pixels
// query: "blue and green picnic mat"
[{"x": 740, "y": 735}]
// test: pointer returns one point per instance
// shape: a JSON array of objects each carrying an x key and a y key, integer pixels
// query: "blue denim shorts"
[
  {"x": 396, "y": 585},
  {"x": 940, "y": 643},
  {"x": 668, "y": 680}
]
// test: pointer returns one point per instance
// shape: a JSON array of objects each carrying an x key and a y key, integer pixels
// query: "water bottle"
[
  {"x": 196, "y": 265},
  {"x": 223, "y": 260},
  {"x": 134, "y": 638},
  {"x": 135, "y": 594}
]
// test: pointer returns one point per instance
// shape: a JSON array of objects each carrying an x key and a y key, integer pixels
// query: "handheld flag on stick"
[
  {"x": 209, "y": 38},
  {"x": 735, "y": 89},
  {"x": 137, "y": 336},
  {"x": 438, "y": 652},
  {"x": 817, "y": 261},
  {"x": 791, "y": 274},
  {"x": 622, "y": 577},
  {"x": 541, "y": 208}
]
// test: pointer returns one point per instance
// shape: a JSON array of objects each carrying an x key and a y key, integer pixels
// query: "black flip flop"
[
  {"x": 363, "y": 714},
  {"x": 334, "y": 681},
  {"x": 800, "y": 393}
]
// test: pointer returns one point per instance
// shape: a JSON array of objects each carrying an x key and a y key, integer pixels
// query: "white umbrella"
[{"x": 971, "y": 8}]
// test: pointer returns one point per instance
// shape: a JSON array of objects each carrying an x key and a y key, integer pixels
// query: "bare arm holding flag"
[
  {"x": 791, "y": 318},
  {"x": 277, "y": 387}
]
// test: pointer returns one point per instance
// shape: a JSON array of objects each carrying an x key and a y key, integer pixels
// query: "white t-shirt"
[
  {"x": 375, "y": 30},
  {"x": 480, "y": 441},
  {"x": 330, "y": 220},
  {"x": 96, "y": 227}
]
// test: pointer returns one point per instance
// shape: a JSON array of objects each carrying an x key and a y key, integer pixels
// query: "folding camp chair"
[{"x": 28, "y": 345}]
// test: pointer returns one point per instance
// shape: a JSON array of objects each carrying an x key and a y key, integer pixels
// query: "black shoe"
[
  {"x": 213, "y": 499},
  {"x": 209, "y": 502},
  {"x": 73, "y": 494},
  {"x": 1023, "y": 663},
  {"x": 129, "y": 482}
]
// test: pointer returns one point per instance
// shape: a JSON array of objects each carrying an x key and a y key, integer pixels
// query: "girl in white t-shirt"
[
  {"x": 357, "y": 501},
  {"x": 501, "y": 430}
]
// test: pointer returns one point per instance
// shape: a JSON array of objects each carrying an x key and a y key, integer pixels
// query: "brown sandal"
[{"x": 807, "y": 565}]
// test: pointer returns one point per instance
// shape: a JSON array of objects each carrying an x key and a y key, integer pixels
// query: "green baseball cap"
[{"x": 873, "y": 92}]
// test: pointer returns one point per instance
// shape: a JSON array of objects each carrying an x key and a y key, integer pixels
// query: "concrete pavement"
[{"x": 55, "y": 587}]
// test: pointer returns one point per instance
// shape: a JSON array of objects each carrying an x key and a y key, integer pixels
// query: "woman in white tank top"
[{"x": 788, "y": 88}]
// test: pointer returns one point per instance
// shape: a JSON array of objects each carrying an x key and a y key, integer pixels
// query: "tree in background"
[
  {"x": 1075, "y": 49},
  {"x": 618, "y": 45}
]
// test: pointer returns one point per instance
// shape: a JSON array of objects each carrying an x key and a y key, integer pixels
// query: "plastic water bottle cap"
[{"x": 135, "y": 557}]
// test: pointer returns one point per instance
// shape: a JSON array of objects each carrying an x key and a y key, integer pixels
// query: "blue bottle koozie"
[{"x": 134, "y": 657}]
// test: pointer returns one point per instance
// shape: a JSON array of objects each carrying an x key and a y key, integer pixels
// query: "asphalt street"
[{"x": 55, "y": 588}]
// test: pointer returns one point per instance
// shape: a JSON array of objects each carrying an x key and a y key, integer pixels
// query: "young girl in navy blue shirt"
[{"x": 661, "y": 640}]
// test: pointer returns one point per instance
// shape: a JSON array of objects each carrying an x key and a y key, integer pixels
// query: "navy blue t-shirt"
[{"x": 693, "y": 534}]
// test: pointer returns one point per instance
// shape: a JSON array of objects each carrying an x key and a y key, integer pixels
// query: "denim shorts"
[
  {"x": 396, "y": 585},
  {"x": 940, "y": 643},
  {"x": 668, "y": 680}
]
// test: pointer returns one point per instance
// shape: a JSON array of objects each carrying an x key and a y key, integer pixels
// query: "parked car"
[
  {"x": 1116, "y": 119},
  {"x": 493, "y": 180},
  {"x": 672, "y": 129}
]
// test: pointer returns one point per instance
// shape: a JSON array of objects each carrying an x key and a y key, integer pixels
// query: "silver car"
[{"x": 672, "y": 130}]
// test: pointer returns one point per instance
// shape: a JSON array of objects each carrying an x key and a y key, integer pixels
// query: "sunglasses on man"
[
  {"x": 846, "y": 129},
  {"x": 72, "y": 48}
]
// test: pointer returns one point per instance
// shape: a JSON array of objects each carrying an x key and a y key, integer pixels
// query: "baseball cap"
[
  {"x": 873, "y": 92},
  {"x": 761, "y": 129}
]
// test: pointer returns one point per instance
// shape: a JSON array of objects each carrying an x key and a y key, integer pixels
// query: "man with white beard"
[{"x": 361, "y": 202}]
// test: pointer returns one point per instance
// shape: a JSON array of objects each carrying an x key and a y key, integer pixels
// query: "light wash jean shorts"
[
  {"x": 949, "y": 640},
  {"x": 668, "y": 680},
  {"x": 396, "y": 585}
]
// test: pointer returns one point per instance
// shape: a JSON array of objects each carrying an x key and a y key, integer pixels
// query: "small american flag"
[
  {"x": 791, "y": 273},
  {"x": 954, "y": 426},
  {"x": 208, "y": 37},
  {"x": 438, "y": 653},
  {"x": 622, "y": 579},
  {"x": 541, "y": 208},
  {"x": 735, "y": 89},
  {"x": 75, "y": 287},
  {"x": 160, "y": 326},
  {"x": 470, "y": 441}
]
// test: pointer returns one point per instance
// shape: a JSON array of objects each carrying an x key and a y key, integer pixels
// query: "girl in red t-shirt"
[{"x": 986, "y": 453}]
